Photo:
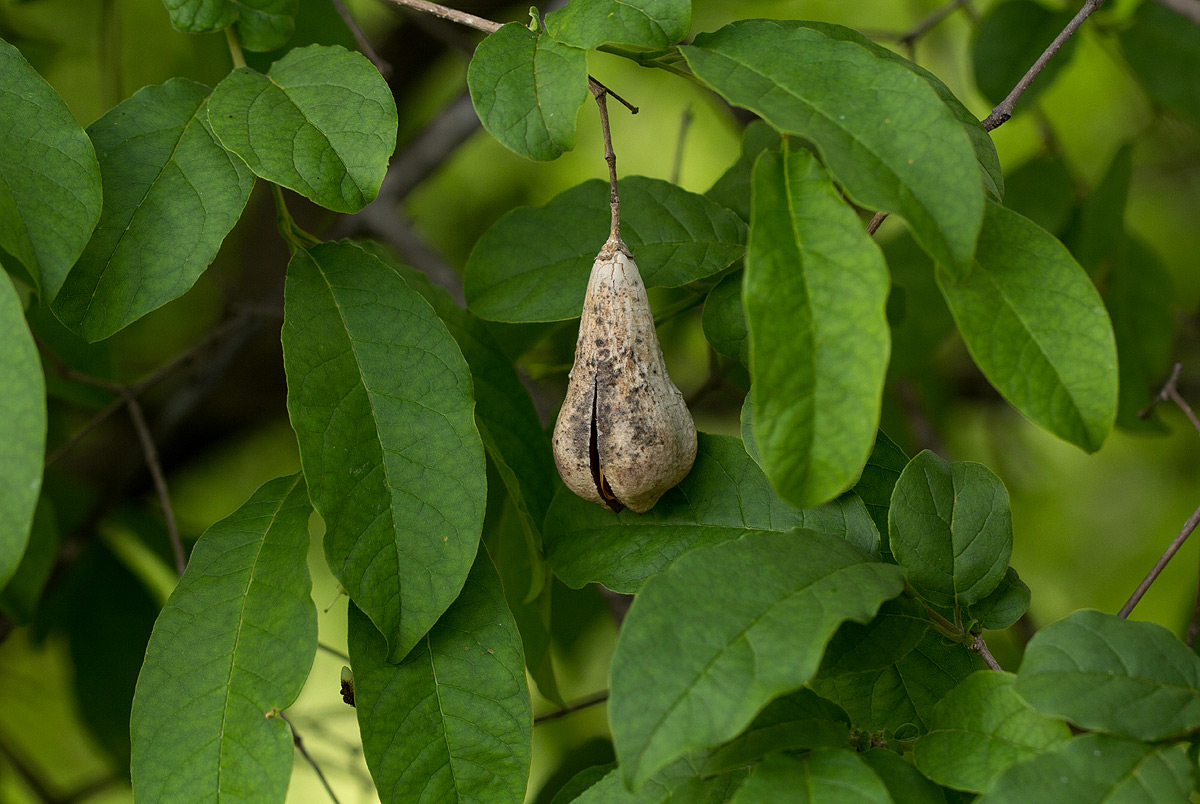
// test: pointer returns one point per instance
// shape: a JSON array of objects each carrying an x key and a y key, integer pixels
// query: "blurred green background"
[{"x": 1086, "y": 527}]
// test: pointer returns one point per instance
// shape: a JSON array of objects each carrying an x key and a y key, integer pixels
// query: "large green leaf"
[
  {"x": 1004, "y": 605},
  {"x": 887, "y": 136},
  {"x": 642, "y": 24},
  {"x": 724, "y": 495},
  {"x": 815, "y": 291},
  {"x": 949, "y": 526},
  {"x": 905, "y": 783},
  {"x": 793, "y": 722},
  {"x": 1098, "y": 769},
  {"x": 171, "y": 194},
  {"x": 380, "y": 398},
  {"x": 733, "y": 189},
  {"x": 1037, "y": 328},
  {"x": 1163, "y": 48},
  {"x": 726, "y": 628},
  {"x": 23, "y": 447},
  {"x": 321, "y": 122},
  {"x": 724, "y": 319},
  {"x": 49, "y": 177},
  {"x": 879, "y": 478},
  {"x": 527, "y": 89},
  {"x": 900, "y": 699},
  {"x": 231, "y": 648},
  {"x": 899, "y": 627},
  {"x": 827, "y": 776},
  {"x": 451, "y": 722},
  {"x": 533, "y": 264},
  {"x": 980, "y": 729},
  {"x": 261, "y": 24},
  {"x": 682, "y": 782},
  {"x": 1009, "y": 39},
  {"x": 1106, "y": 673}
]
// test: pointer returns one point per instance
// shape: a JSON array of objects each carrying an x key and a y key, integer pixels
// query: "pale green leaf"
[
  {"x": 452, "y": 721},
  {"x": 527, "y": 89},
  {"x": 638, "y": 24},
  {"x": 171, "y": 195},
  {"x": 49, "y": 177},
  {"x": 23, "y": 447},
  {"x": 1102, "y": 672},
  {"x": 322, "y": 122},
  {"x": 980, "y": 729},
  {"x": 815, "y": 290},
  {"x": 726, "y": 628},
  {"x": 1037, "y": 328},
  {"x": 1098, "y": 769},
  {"x": 724, "y": 495},
  {"x": 949, "y": 526},
  {"x": 231, "y": 649},
  {"x": 884, "y": 133},
  {"x": 380, "y": 398},
  {"x": 533, "y": 264},
  {"x": 827, "y": 776}
]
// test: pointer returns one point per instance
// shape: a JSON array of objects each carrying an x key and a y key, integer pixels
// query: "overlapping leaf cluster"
[{"x": 806, "y": 599}]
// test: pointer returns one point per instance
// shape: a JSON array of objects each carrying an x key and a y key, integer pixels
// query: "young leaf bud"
[{"x": 624, "y": 435}]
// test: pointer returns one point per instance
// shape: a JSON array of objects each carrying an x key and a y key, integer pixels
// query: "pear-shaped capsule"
[{"x": 624, "y": 435}]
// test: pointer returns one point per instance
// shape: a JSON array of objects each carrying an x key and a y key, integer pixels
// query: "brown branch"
[
  {"x": 1157, "y": 569},
  {"x": 876, "y": 221},
  {"x": 925, "y": 25},
  {"x": 583, "y": 703},
  {"x": 1170, "y": 392},
  {"x": 364, "y": 43},
  {"x": 1004, "y": 110},
  {"x": 600, "y": 92},
  {"x": 150, "y": 453},
  {"x": 452, "y": 14},
  {"x": 980, "y": 647},
  {"x": 299, "y": 743},
  {"x": 1186, "y": 8}
]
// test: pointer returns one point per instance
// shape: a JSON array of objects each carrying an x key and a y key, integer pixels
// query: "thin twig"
[
  {"x": 931, "y": 21},
  {"x": 452, "y": 14},
  {"x": 980, "y": 647},
  {"x": 1004, "y": 109},
  {"x": 583, "y": 703},
  {"x": 299, "y": 743},
  {"x": 150, "y": 452},
  {"x": 1186, "y": 8},
  {"x": 1167, "y": 555},
  {"x": 600, "y": 92},
  {"x": 364, "y": 44},
  {"x": 685, "y": 122},
  {"x": 331, "y": 650},
  {"x": 1170, "y": 392},
  {"x": 91, "y": 424},
  {"x": 876, "y": 221}
]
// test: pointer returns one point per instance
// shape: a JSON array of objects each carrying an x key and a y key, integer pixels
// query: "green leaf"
[
  {"x": 1163, "y": 48},
  {"x": 815, "y": 291},
  {"x": 905, "y": 783},
  {"x": 1009, "y": 39},
  {"x": 451, "y": 722},
  {"x": 822, "y": 777},
  {"x": 884, "y": 133},
  {"x": 724, "y": 320},
  {"x": 321, "y": 122},
  {"x": 232, "y": 647},
  {"x": 1037, "y": 328},
  {"x": 1004, "y": 605},
  {"x": 797, "y": 721},
  {"x": 380, "y": 398},
  {"x": 533, "y": 264},
  {"x": 1102, "y": 672},
  {"x": 679, "y": 689},
  {"x": 638, "y": 24},
  {"x": 724, "y": 495},
  {"x": 679, "y": 783},
  {"x": 899, "y": 627},
  {"x": 23, "y": 447},
  {"x": 900, "y": 699},
  {"x": 1101, "y": 225},
  {"x": 1098, "y": 769},
  {"x": 19, "y": 598},
  {"x": 949, "y": 526},
  {"x": 879, "y": 478},
  {"x": 732, "y": 190},
  {"x": 1042, "y": 190},
  {"x": 49, "y": 177},
  {"x": 1141, "y": 299},
  {"x": 171, "y": 195},
  {"x": 980, "y": 729},
  {"x": 261, "y": 24},
  {"x": 527, "y": 89}
]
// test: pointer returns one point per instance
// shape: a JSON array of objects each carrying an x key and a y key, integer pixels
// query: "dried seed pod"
[{"x": 624, "y": 435}]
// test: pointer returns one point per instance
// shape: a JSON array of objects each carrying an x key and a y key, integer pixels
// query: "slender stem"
[
  {"x": 1004, "y": 109},
  {"x": 1170, "y": 392},
  {"x": 931, "y": 21},
  {"x": 875, "y": 222},
  {"x": 1157, "y": 569},
  {"x": 452, "y": 14},
  {"x": 150, "y": 451},
  {"x": 980, "y": 647},
  {"x": 235, "y": 47},
  {"x": 364, "y": 44},
  {"x": 332, "y": 651},
  {"x": 600, "y": 92},
  {"x": 92, "y": 423},
  {"x": 583, "y": 703},
  {"x": 685, "y": 122},
  {"x": 299, "y": 743},
  {"x": 297, "y": 238}
]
